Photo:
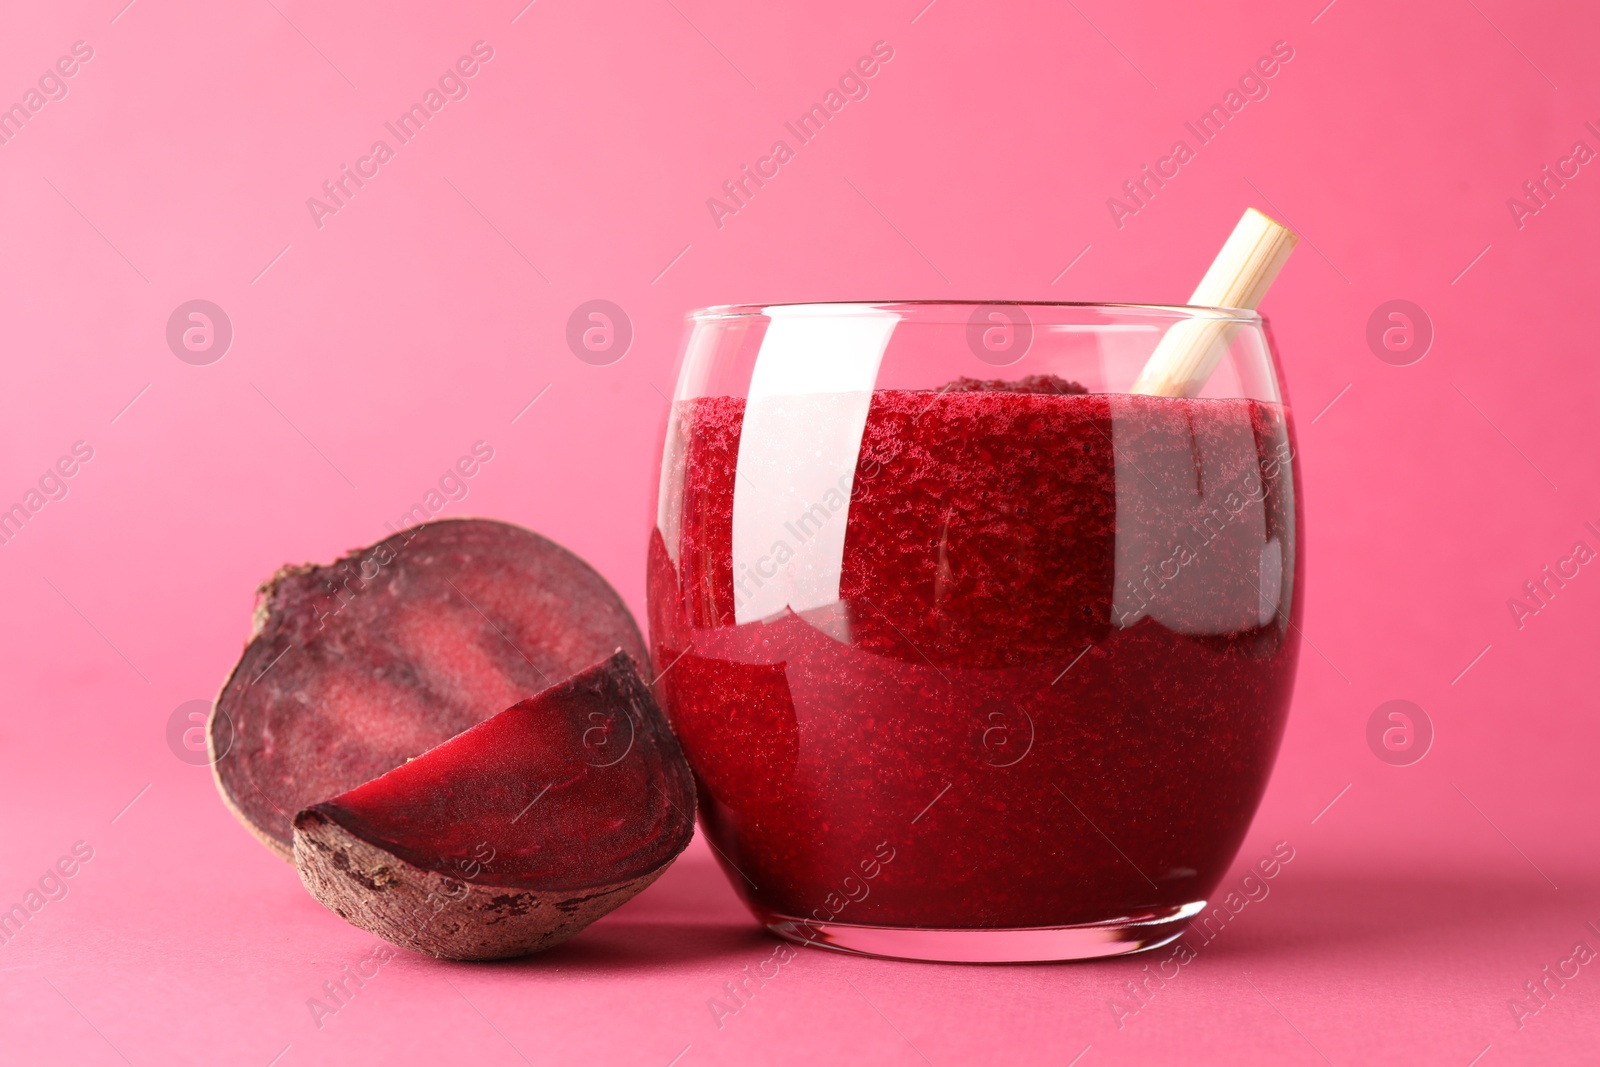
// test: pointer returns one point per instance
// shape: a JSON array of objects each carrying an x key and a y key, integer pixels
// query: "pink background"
[{"x": 377, "y": 349}]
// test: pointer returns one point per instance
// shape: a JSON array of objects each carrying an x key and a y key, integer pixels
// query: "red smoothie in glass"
[{"x": 1056, "y": 678}]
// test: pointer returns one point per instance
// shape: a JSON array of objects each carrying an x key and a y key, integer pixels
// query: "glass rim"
[{"x": 826, "y": 307}]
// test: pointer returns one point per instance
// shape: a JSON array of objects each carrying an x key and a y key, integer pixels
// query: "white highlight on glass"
[{"x": 803, "y": 421}]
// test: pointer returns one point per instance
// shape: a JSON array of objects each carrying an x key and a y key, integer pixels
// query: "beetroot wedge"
[
  {"x": 513, "y": 836},
  {"x": 358, "y": 666}
]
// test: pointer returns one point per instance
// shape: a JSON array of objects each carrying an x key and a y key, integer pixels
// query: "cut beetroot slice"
[
  {"x": 358, "y": 666},
  {"x": 513, "y": 836}
]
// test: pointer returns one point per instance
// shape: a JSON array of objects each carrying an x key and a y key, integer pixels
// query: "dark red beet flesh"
[
  {"x": 514, "y": 835},
  {"x": 580, "y": 786},
  {"x": 361, "y": 665}
]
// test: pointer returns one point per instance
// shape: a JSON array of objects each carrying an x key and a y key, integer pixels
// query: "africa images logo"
[
  {"x": 452, "y": 85},
  {"x": 199, "y": 332}
]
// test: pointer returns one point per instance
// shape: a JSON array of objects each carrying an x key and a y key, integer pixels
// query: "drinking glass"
[{"x": 976, "y": 655}]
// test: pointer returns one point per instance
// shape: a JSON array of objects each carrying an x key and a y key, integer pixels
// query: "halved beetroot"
[
  {"x": 358, "y": 666},
  {"x": 513, "y": 836}
]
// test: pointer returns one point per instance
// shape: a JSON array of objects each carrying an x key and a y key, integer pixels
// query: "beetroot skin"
[
  {"x": 358, "y": 666},
  {"x": 513, "y": 836}
]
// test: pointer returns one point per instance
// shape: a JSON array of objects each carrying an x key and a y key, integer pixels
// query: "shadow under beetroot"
[{"x": 689, "y": 915}]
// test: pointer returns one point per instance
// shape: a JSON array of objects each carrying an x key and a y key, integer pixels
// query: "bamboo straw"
[{"x": 1238, "y": 278}]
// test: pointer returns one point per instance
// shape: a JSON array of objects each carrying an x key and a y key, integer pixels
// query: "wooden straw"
[{"x": 1238, "y": 278}]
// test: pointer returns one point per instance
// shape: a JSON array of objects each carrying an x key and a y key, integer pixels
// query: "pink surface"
[{"x": 369, "y": 354}]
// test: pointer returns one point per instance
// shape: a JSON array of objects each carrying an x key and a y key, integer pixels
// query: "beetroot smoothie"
[{"x": 1054, "y": 682}]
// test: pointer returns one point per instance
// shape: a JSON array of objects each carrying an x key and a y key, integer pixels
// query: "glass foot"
[{"x": 1030, "y": 944}]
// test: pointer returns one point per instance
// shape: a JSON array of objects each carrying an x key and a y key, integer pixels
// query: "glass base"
[{"x": 1029, "y": 944}]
